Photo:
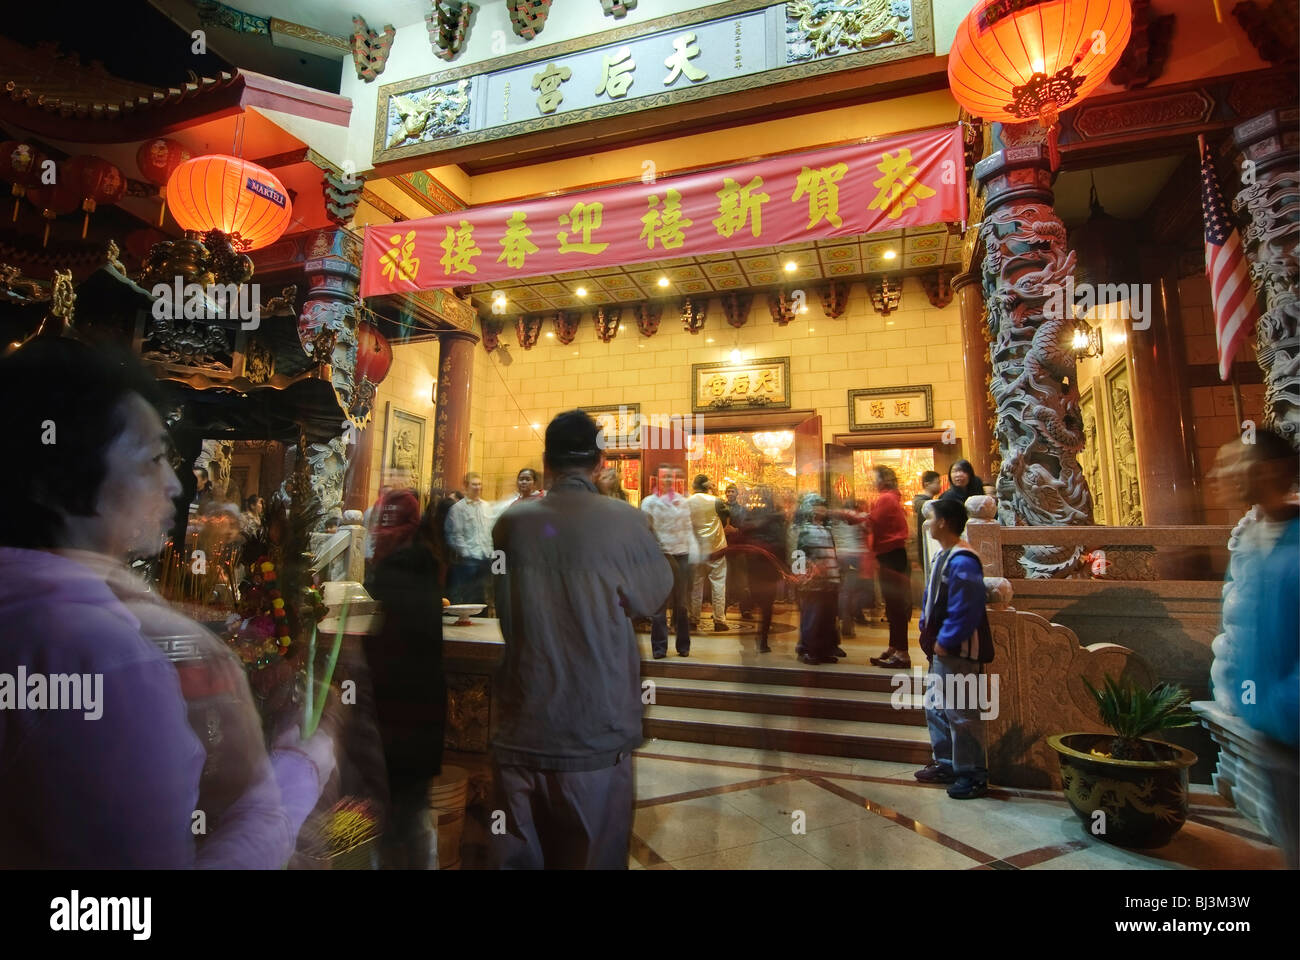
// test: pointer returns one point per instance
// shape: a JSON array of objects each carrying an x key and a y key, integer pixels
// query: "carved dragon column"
[
  {"x": 1271, "y": 194},
  {"x": 1039, "y": 428}
]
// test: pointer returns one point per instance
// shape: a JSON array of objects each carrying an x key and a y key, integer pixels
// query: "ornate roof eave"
[
  {"x": 85, "y": 120},
  {"x": 197, "y": 379}
]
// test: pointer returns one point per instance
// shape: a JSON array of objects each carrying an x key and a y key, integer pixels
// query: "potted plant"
[{"x": 1127, "y": 789}]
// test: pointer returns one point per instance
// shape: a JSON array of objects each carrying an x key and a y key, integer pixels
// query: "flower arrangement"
[{"x": 264, "y": 628}]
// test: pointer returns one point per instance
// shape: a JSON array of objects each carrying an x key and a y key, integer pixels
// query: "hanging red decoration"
[
  {"x": 54, "y": 200},
  {"x": 1019, "y": 60},
  {"x": 246, "y": 202},
  {"x": 156, "y": 160},
  {"x": 374, "y": 353},
  {"x": 21, "y": 165},
  {"x": 96, "y": 181}
]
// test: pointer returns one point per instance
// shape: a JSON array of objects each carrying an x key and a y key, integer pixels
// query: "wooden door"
[
  {"x": 663, "y": 448},
  {"x": 808, "y": 456},
  {"x": 837, "y": 484}
]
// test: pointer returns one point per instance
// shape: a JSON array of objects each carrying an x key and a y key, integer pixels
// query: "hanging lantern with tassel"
[
  {"x": 54, "y": 200},
  {"x": 245, "y": 202},
  {"x": 96, "y": 181},
  {"x": 1018, "y": 60},
  {"x": 21, "y": 165},
  {"x": 156, "y": 160}
]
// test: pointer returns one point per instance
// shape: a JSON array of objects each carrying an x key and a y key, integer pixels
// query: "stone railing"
[
  {"x": 1122, "y": 553},
  {"x": 340, "y": 555}
]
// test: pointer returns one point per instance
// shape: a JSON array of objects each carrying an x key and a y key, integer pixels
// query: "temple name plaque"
[
  {"x": 762, "y": 384},
  {"x": 889, "y": 408}
]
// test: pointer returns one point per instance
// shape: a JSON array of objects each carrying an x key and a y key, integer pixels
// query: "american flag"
[{"x": 1235, "y": 307}]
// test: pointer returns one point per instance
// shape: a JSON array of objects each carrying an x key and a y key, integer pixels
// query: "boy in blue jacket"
[{"x": 955, "y": 636}]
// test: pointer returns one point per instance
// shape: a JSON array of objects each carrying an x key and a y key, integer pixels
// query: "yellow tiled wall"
[
  {"x": 917, "y": 344},
  {"x": 409, "y": 387}
]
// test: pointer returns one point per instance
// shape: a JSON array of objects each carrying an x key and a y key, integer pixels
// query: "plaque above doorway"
[
  {"x": 748, "y": 385},
  {"x": 891, "y": 408}
]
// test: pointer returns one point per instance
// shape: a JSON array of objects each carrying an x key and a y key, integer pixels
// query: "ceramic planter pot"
[{"x": 1144, "y": 801}]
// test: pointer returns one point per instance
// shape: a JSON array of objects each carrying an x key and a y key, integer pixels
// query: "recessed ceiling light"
[
  {"x": 575, "y": 353},
  {"x": 890, "y": 254},
  {"x": 735, "y": 356},
  {"x": 549, "y": 333},
  {"x": 791, "y": 266},
  {"x": 663, "y": 281},
  {"x": 889, "y": 323},
  {"x": 709, "y": 340},
  {"x": 581, "y": 291},
  {"x": 516, "y": 426}
]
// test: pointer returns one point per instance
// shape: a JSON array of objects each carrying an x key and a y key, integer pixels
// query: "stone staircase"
[{"x": 841, "y": 710}]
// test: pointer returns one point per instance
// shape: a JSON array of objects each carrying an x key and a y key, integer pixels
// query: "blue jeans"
[{"x": 957, "y": 735}]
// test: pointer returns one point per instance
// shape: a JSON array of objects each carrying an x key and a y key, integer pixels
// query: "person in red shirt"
[{"x": 889, "y": 544}]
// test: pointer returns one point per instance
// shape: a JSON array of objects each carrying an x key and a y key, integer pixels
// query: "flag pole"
[{"x": 1236, "y": 398}]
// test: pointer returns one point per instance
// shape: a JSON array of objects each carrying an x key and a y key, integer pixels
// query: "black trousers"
[
  {"x": 677, "y": 600},
  {"x": 763, "y": 581},
  {"x": 896, "y": 588}
]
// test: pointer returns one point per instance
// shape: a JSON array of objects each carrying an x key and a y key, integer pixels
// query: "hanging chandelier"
[{"x": 773, "y": 443}]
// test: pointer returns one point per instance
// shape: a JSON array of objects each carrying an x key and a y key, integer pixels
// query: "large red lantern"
[
  {"x": 157, "y": 159},
  {"x": 54, "y": 200},
  {"x": 374, "y": 353},
  {"x": 96, "y": 181},
  {"x": 246, "y": 202},
  {"x": 1018, "y": 60},
  {"x": 21, "y": 165}
]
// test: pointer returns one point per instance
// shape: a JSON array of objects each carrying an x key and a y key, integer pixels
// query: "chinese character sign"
[
  {"x": 905, "y": 181},
  {"x": 755, "y": 383}
]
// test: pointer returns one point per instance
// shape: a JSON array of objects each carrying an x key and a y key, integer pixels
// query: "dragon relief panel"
[
  {"x": 424, "y": 115},
  {"x": 1039, "y": 428},
  {"x": 825, "y": 28},
  {"x": 198, "y": 345}
]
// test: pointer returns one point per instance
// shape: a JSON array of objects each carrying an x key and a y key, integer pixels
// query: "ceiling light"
[
  {"x": 709, "y": 340},
  {"x": 791, "y": 266},
  {"x": 581, "y": 291},
  {"x": 735, "y": 356},
  {"x": 890, "y": 254},
  {"x": 803, "y": 309},
  {"x": 620, "y": 326},
  {"x": 889, "y": 323},
  {"x": 811, "y": 330},
  {"x": 663, "y": 281},
  {"x": 549, "y": 333},
  {"x": 535, "y": 426}
]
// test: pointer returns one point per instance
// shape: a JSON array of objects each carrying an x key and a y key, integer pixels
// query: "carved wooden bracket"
[
  {"x": 370, "y": 49},
  {"x": 448, "y": 24},
  {"x": 285, "y": 305},
  {"x": 886, "y": 294},
  {"x": 527, "y": 330},
  {"x": 735, "y": 307},
  {"x": 1148, "y": 48},
  {"x": 492, "y": 327},
  {"x": 781, "y": 307},
  {"x": 835, "y": 297},
  {"x": 647, "y": 317},
  {"x": 693, "y": 314},
  {"x": 938, "y": 287},
  {"x": 1271, "y": 29},
  {"x": 342, "y": 194},
  {"x": 617, "y": 8},
  {"x": 528, "y": 17},
  {"x": 566, "y": 325},
  {"x": 606, "y": 320}
]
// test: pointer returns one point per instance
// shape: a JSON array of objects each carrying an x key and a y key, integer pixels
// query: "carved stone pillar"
[
  {"x": 1039, "y": 429},
  {"x": 451, "y": 424},
  {"x": 1162, "y": 409},
  {"x": 975, "y": 360},
  {"x": 1269, "y": 144}
]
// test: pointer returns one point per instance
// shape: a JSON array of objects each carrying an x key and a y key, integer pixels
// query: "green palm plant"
[{"x": 1132, "y": 713}]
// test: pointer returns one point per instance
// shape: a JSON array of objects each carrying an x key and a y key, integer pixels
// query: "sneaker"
[
  {"x": 936, "y": 773},
  {"x": 895, "y": 661},
  {"x": 877, "y": 661},
  {"x": 967, "y": 788}
]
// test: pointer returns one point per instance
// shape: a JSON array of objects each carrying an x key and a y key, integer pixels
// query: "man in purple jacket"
[{"x": 955, "y": 636}]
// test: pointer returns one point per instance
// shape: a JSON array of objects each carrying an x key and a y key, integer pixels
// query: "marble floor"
[{"x": 706, "y": 807}]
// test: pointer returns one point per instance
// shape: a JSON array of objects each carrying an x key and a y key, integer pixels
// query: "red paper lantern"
[
  {"x": 54, "y": 200},
  {"x": 1018, "y": 60},
  {"x": 96, "y": 181},
  {"x": 156, "y": 160},
  {"x": 374, "y": 353},
  {"x": 241, "y": 199},
  {"x": 21, "y": 165}
]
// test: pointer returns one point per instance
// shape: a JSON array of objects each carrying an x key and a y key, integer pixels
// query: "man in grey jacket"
[{"x": 578, "y": 567}]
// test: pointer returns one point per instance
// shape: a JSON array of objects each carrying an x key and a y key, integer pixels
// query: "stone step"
[
  {"x": 896, "y": 742},
  {"x": 791, "y": 701},
  {"x": 785, "y": 672}
]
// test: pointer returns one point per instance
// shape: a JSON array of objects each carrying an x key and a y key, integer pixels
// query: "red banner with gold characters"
[{"x": 905, "y": 181}]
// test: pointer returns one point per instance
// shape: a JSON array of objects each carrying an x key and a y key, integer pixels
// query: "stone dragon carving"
[
  {"x": 819, "y": 28},
  {"x": 1039, "y": 428}
]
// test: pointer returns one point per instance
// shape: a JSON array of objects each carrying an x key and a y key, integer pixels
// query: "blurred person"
[
  {"x": 116, "y": 785},
  {"x": 670, "y": 522},
  {"x": 404, "y": 655},
  {"x": 848, "y": 529},
  {"x": 527, "y": 485},
  {"x": 332, "y": 525},
  {"x": 469, "y": 535},
  {"x": 737, "y": 563},
  {"x": 963, "y": 482},
  {"x": 1261, "y": 672},
  {"x": 931, "y": 483},
  {"x": 203, "y": 492},
  {"x": 250, "y": 521},
  {"x": 820, "y": 585},
  {"x": 568, "y": 694},
  {"x": 609, "y": 483},
  {"x": 764, "y": 528},
  {"x": 957, "y": 641},
  {"x": 889, "y": 544},
  {"x": 707, "y": 519}
]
